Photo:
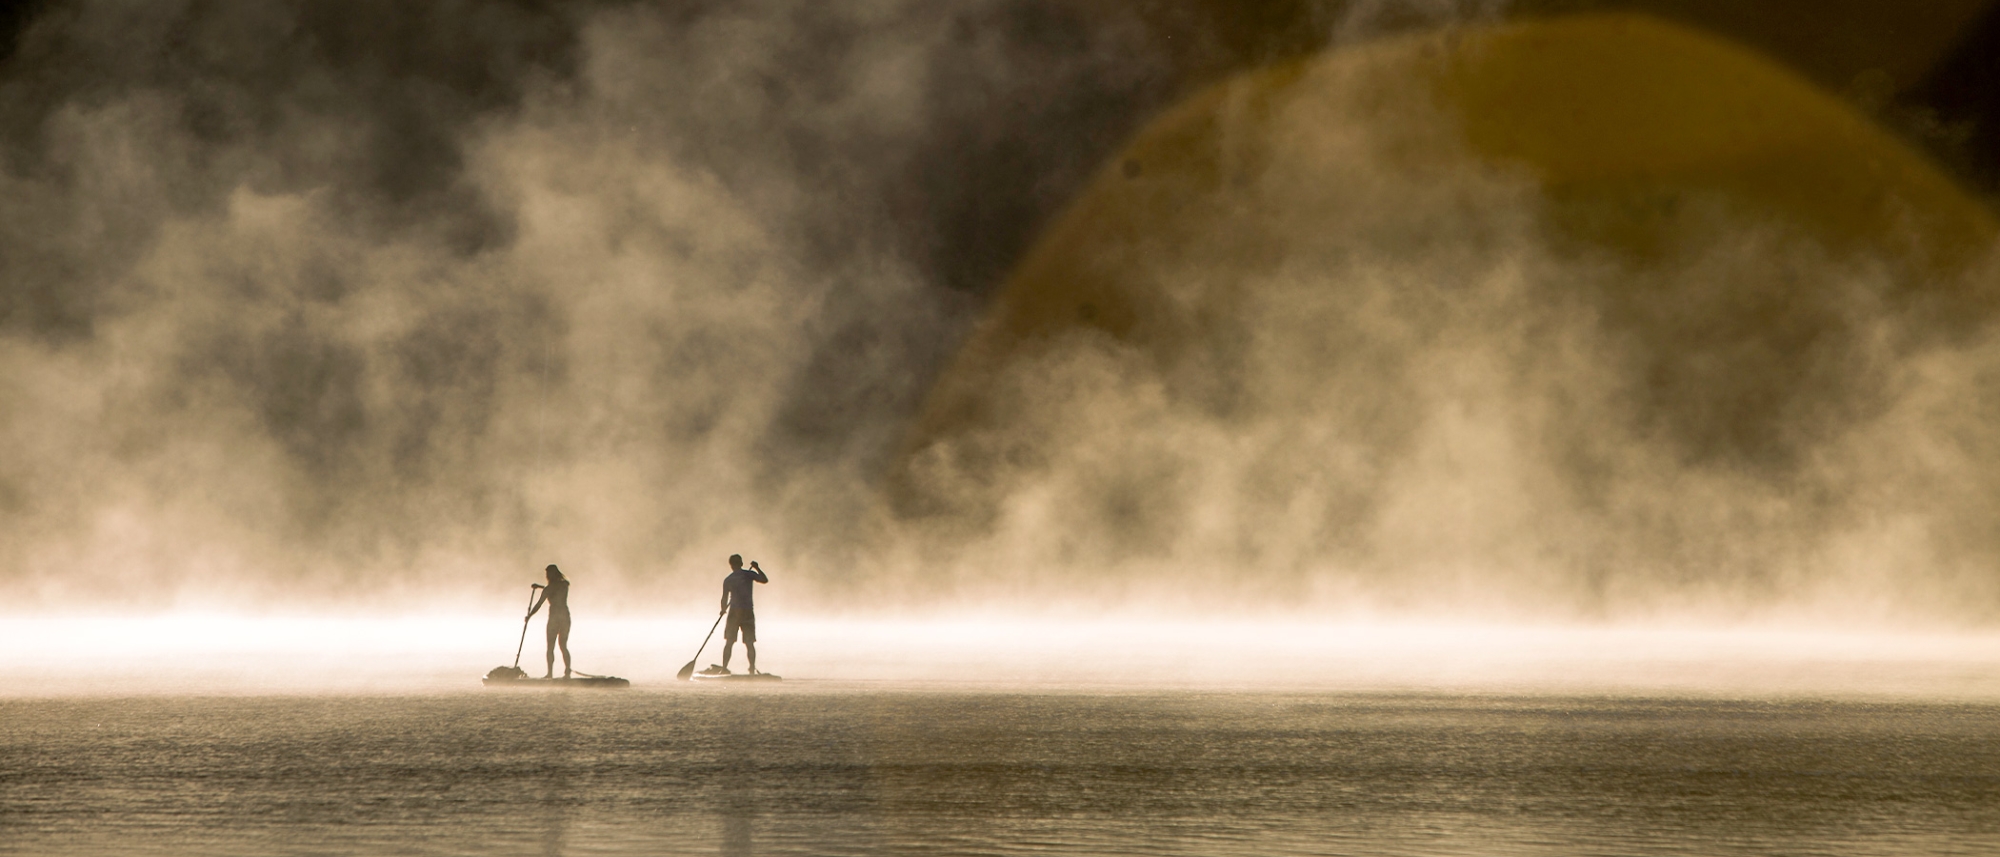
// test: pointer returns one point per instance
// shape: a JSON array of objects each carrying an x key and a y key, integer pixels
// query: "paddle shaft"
[
  {"x": 524, "y": 626},
  {"x": 689, "y": 669}
]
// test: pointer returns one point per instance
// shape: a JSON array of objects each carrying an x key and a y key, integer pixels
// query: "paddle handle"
[
  {"x": 689, "y": 669},
  {"x": 524, "y": 626}
]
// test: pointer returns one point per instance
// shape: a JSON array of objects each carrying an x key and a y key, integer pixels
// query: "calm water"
[{"x": 895, "y": 769}]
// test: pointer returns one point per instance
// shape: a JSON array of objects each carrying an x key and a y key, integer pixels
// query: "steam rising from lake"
[
  {"x": 629, "y": 290},
  {"x": 1369, "y": 370},
  {"x": 223, "y": 654},
  {"x": 380, "y": 302}
]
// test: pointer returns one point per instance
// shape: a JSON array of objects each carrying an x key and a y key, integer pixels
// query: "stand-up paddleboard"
[
  {"x": 514, "y": 676},
  {"x": 511, "y": 677},
  {"x": 705, "y": 675}
]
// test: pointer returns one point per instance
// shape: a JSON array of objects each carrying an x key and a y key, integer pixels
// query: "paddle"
[
  {"x": 687, "y": 672},
  {"x": 524, "y": 626}
]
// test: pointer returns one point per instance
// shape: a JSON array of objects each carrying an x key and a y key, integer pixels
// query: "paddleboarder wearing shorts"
[
  {"x": 736, "y": 600},
  {"x": 556, "y": 595}
]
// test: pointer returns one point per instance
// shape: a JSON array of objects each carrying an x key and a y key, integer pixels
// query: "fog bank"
[{"x": 371, "y": 306}]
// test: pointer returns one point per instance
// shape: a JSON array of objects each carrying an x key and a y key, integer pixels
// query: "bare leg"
[
  {"x": 750, "y": 650},
  {"x": 727, "y": 645},
  {"x": 550, "y": 670},
  {"x": 562, "y": 640}
]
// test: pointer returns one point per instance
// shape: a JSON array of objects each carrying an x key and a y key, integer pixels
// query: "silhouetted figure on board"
[
  {"x": 736, "y": 599},
  {"x": 557, "y": 597}
]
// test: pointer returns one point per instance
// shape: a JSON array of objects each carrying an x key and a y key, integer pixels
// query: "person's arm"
[
  {"x": 760, "y": 572},
  {"x": 541, "y": 597},
  {"x": 725, "y": 597}
]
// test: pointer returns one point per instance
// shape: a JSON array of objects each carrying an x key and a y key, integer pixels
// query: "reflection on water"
[
  {"x": 551, "y": 741},
  {"x": 739, "y": 750},
  {"x": 856, "y": 769},
  {"x": 736, "y": 833}
]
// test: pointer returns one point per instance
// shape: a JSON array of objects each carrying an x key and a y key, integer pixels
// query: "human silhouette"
[
  {"x": 556, "y": 595},
  {"x": 736, "y": 598}
]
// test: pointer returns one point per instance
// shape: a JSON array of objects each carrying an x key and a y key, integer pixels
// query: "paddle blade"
[{"x": 687, "y": 672}]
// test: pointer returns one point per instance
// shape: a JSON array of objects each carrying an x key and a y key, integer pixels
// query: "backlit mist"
[{"x": 380, "y": 308}]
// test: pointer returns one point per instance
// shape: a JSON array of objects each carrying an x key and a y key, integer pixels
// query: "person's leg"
[
  {"x": 549, "y": 668},
  {"x": 729, "y": 635},
  {"x": 562, "y": 639},
  {"x": 750, "y": 641},
  {"x": 750, "y": 651}
]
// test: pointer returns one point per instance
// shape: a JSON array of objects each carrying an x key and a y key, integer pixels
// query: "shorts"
[{"x": 743, "y": 620}]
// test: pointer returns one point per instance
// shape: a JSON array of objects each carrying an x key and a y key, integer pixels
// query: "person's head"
[
  {"x": 736, "y": 560},
  {"x": 554, "y": 575}
]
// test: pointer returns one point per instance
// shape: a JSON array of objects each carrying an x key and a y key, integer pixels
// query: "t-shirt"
[{"x": 737, "y": 587}]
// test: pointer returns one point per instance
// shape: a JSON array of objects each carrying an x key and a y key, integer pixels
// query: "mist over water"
[
  {"x": 1373, "y": 369},
  {"x": 317, "y": 655},
  {"x": 374, "y": 302},
  {"x": 388, "y": 307},
  {"x": 1389, "y": 499}
]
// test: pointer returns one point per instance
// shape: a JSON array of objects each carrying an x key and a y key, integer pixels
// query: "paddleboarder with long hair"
[{"x": 556, "y": 595}]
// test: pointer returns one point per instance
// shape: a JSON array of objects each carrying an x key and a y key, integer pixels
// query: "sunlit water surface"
[
  {"x": 212, "y": 735},
  {"x": 831, "y": 768}
]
